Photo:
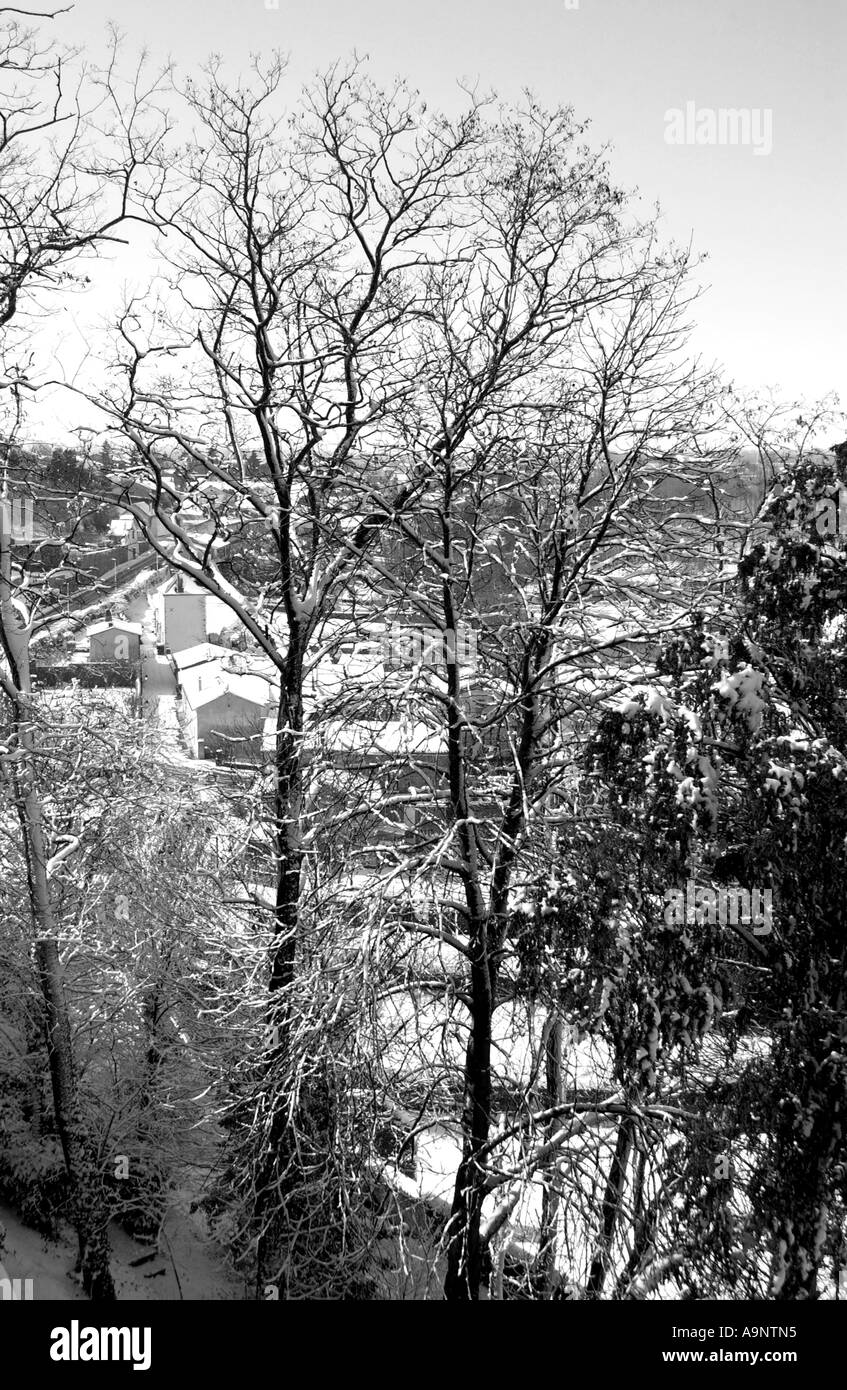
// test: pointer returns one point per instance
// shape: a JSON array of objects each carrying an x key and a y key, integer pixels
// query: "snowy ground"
[{"x": 186, "y": 1263}]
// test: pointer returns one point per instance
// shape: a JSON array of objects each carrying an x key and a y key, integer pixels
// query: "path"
[
  {"x": 158, "y": 689},
  {"x": 188, "y": 1263}
]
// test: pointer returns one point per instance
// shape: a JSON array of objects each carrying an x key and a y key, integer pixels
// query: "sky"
[{"x": 771, "y": 213}]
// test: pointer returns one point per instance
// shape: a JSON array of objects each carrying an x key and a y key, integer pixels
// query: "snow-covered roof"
[
  {"x": 114, "y": 623},
  {"x": 200, "y": 653},
  {"x": 204, "y": 536},
  {"x": 330, "y": 679},
  {"x": 204, "y": 684},
  {"x": 190, "y": 589},
  {"x": 386, "y": 737}
]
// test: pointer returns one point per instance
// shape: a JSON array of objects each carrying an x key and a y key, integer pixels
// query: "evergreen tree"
[{"x": 733, "y": 770}]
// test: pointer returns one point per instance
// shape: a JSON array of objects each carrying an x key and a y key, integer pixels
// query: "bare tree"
[
  {"x": 57, "y": 202},
  {"x": 428, "y": 371},
  {"x": 300, "y": 269},
  {"x": 554, "y": 368}
]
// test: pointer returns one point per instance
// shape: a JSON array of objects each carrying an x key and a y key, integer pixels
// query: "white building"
[
  {"x": 199, "y": 655},
  {"x": 114, "y": 641},
  {"x": 223, "y": 712},
  {"x": 180, "y": 617}
]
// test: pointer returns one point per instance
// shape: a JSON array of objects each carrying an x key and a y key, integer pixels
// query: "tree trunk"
[
  {"x": 274, "y": 1173},
  {"x": 87, "y": 1206},
  {"x": 612, "y": 1199},
  {"x": 550, "y": 1198},
  {"x": 464, "y": 1252}
]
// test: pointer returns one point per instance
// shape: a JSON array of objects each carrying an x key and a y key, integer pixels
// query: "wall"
[
  {"x": 230, "y": 715},
  {"x": 184, "y": 620},
  {"x": 114, "y": 645}
]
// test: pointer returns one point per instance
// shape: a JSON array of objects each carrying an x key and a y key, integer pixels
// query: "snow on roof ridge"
[
  {"x": 105, "y": 624},
  {"x": 247, "y": 687}
]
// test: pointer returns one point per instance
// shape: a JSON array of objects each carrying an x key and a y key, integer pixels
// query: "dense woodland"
[{"x": 394, "y": 1008}]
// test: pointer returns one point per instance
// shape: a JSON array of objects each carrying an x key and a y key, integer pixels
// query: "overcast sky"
[{"x": 774, "y": 224}]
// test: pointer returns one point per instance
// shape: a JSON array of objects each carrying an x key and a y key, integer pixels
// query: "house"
[
  {"x": 223, "y": 713},
  {"x": 114, "y": 640},
  {"x": 124, "y": 530},
  {"x": 201, "y": 654},
  {"x": 207, "y": 660},
  {"x": 180, "y": 617},
  {"x": 147, "y": 526}
]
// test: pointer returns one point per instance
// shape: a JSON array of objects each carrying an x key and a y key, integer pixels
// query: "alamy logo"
[
  {"x": 831, "y": 515},
  {"x": 17, "y": 1290},
  {"x": 724, "y": 125},
  {"x": 728, "y": 906},
  {"x": 77, "y": 1343},
  {"x": 428, "y": 646},
  {"x": 17, "y": 519}
]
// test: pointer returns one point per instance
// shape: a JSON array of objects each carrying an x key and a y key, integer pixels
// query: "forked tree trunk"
[
  {"x": 85, "y": 1179},
  {"x": 88, "y": 1210}
]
